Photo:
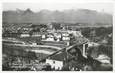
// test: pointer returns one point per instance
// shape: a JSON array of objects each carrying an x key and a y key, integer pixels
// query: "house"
[
  {"x": 43, "y": 36},
  {"x": 55, "y": 64},
  {"x": 75, "y": 33},
  {"x": 25, "y": 33},
  {"x": 49, "y": 37},
  {"x": 65, "y": 38},
  {"x": 50, "y": 26},
  {"x": 64, "y": 35},
  {"x": 36, "y": 34},
  {"x": 57, "y": 61},
  {"x": 57, "y": 35},
  {"x": 34, "y": 43}
]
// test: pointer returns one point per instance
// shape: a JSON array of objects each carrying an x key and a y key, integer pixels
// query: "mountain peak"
[{"x": 28, "y": 11}]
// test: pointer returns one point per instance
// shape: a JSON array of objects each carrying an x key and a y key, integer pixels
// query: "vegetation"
[{"x": 99, "y": 33}]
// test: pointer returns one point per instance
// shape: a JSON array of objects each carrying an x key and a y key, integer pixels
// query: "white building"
[
  {"x": 64, "y": 38},
  {"x": 57, "y": 35},
  {"x": 24, "y": 35},
  {"x": 50, "y": 37},
  {"x": 75, "y": 33},
  {"x": 36, "y": 34},
  {"x": 55, "y": 64},
  {"x": 57, "y": 61},
  {"x": 65, "y": 34},
  {"x": 43, "y": 36},
  {"x": 34, "y": 43}
]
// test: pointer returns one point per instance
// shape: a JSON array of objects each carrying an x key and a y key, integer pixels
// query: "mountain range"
[{"x": 90, "y": 17}]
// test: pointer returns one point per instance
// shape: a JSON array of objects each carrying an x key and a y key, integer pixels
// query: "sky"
[{"x": 100, "y": 7}]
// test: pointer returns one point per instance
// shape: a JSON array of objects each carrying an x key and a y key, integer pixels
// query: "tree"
[
  {"x": 72, "y": 39},
  {"x": 31, "y": 55},
  {"x": 86, "y": 32},
  {"x": 56, "y": 26}
]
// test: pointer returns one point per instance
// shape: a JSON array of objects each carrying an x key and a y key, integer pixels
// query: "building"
[
  {"x": 75, "y": 33},
  {"x": 50, "y": 37},
  {"x": 36, "y": 34},
  {"x": 25, "y": 35},
  {"x": 57, "y": 61},
  {"x": 55, "y": 64}
]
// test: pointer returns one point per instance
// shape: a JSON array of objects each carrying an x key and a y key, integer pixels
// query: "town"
[
  {"x": 50, "y": 36},
  {"x": 53, "y": 46}
]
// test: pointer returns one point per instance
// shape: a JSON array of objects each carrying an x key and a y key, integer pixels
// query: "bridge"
[
  {"x": 36, "y": 48},
  {"x": 65, "y": 49}
]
